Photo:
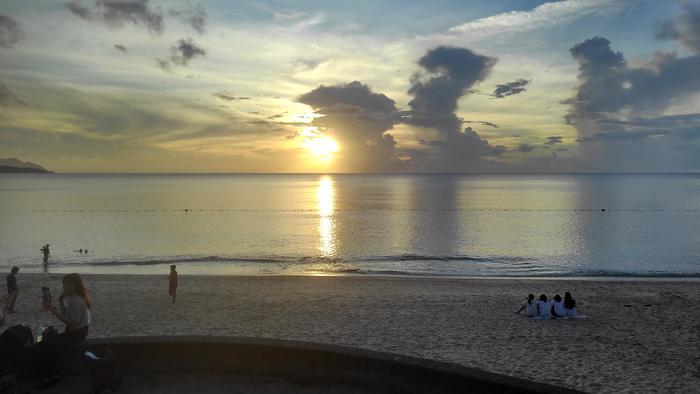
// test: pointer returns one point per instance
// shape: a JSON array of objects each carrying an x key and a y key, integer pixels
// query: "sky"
[{"x": 509, "y": 86}]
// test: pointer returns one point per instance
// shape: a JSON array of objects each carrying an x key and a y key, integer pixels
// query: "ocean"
[{"x": 421, "y": 225}]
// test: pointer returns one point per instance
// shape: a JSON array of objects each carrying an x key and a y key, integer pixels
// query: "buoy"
[{"x": 602, "y": 210}]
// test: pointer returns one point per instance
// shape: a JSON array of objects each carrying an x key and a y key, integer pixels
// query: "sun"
[{"x": 322, "y": 147}]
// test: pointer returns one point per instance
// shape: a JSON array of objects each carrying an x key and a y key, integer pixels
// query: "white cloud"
[{"x": 544, "y": 15}]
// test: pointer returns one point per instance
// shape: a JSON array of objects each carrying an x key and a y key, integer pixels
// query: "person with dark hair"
[
  {"x": 569, "y": 305},
  {"x": 529, "y": 305},
  {"x": 12, "y": 289},
  {"x": 558, "y": 307},
  {"x": 544, "y": 308},
  {"x": 172, "y": 282},
  {"x": 74, "y": 312},
  {"x": 46, "y": 252}
]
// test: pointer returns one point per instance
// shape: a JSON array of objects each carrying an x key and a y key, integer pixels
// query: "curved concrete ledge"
[{"x": 303, "y": 362}]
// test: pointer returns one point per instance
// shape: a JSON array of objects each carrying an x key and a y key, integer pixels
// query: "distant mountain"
[{"x": 13, "y": 165}]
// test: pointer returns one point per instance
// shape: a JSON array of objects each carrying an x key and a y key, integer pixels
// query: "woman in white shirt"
[
  {"x": 558, "y": 307},
  {"x": 74, "y": 312},
  {"x": 544, "y": 308},
  {"x": 529, "y": 305}
]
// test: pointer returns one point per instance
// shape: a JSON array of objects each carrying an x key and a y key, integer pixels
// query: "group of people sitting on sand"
[{"x": 544, "y": 309}]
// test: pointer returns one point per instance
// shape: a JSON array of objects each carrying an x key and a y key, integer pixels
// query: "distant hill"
[{"x": 12, "y": 165}]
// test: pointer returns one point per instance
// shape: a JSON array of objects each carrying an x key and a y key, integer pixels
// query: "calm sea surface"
[{"x": 545, "y": 225}]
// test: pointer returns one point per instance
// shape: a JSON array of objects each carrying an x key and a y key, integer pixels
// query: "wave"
[{"x": 388, "y": 265}]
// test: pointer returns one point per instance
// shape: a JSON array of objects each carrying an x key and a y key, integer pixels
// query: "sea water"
[{"x": 434, "y": 225}]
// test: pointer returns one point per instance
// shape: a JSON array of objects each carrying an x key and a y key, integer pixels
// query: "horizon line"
[{"x": 365, "y": 173}]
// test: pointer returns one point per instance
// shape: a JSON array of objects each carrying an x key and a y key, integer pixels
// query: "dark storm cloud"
[
  {"x": 448, "y": 74},
  {"x": 510, "y": 88},
  {"x": 184, "y": 51},
  {"x": 10, "y": 32},
  {"x": 553, "y": 140},
  {"x": 121, "y": 47},
  {"x": 610, "y": 92},
  {"x": 608, "y": 85},
  {"x": 116, "y": 13},
  {"x": 525, "y": 148},
  {"x": 195, "y": 17},
  {"x": 686, "y": 29},
  {"x": 223, "y": 95},
  {"x": 359, "y": 120},
  {"x": 8, "y": 98}
]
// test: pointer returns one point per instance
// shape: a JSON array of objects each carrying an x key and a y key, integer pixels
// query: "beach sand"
[{"x": 639, "y": 336}]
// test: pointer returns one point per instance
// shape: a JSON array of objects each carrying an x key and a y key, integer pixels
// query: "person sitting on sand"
[
  {"x": 558, "y": 307},
  {"x": 529, "y": 305},
  {"x": 172, "y": 282},
  {"x": 544, "y": 308},
  {"x": 569, "y": 305},
  {"x": 74, "y": 312}
]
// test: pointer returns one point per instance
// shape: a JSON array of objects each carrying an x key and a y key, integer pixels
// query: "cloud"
[
  {"x": 8, "y": 98},
  {"x": 448, "y": 74},
  {"x": 358, "y": 119},
  {"x": 121, "y": 47},
  {"x": 608, "y": 85},
  {"x": 481, "y": 122},
  {"x": 622, "y": 109},
  {"x": 10, "y": 32},
  {"x": 196, "y": 17},
  {"x": 553, "y": 140},
  {"x": 164, "y": 64},
  {"x": 184, "y": 51},
  {"x": 228, "y": 96},
  {"x": 287, "y": 16},
  {"x": 525, "y": 148},
  {"x": 545, "y": 15},
  {"x": 685, "y": 30},
  {"x": 510, "y": 88},
  {"x": 117, "y": 13}
]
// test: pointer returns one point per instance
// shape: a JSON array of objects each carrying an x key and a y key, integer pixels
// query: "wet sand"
[{"x": 639, "y": 336}]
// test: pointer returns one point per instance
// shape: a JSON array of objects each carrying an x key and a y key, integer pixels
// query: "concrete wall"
[{"x": 302, "y": 362}]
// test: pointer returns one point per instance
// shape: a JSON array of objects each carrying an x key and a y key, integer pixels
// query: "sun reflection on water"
[{"x": 326, "y": 230}]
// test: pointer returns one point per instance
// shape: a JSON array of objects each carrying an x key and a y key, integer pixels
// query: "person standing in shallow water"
[
  {"x": 45, "y": 251},
  {"x": 172, "y": 282}
]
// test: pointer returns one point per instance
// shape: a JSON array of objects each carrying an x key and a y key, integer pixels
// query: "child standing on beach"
[
  {"x": 46, "y": 298},
  {"x": 172, "y": 282}
]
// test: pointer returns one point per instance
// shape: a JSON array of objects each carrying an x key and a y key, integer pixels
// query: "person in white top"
[
  {"x": 544, "y": 308},
  {"x": 74, "y": 312},
  {"x": 529, "y": 306},
  {"x": 558, "y": 307}
]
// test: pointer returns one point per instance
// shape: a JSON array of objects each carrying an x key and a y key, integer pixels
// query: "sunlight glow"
[
  {"x": 323, "y": 147},
  {"x": 326, "y": 227},
  {"x": 320, "y": 146}
]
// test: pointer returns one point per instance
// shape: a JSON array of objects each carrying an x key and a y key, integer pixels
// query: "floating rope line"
[{"x": 187, "y": 210}]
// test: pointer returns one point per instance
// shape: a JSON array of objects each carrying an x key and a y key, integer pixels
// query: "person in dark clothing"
[
  {"x": 12, "y": 290},
  {"x": 45, "y": 251},
  {"x": 172, "y": 282},
  {"x": 74, "y": 312}
]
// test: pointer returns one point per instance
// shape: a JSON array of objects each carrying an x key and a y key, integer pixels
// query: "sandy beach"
[{"x": 639, "y": 336}]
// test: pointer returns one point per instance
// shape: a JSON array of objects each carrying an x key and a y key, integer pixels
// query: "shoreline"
[{"x": 639, "y": 336}]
